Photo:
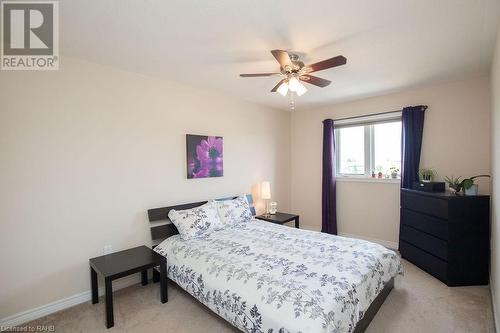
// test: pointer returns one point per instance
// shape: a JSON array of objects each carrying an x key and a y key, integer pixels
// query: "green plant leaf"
[
  {"x": 467, "y": 183},
  {"x": 478, "y": 176}
]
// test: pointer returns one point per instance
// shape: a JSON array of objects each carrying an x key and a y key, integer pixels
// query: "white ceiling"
[{"x": 389, "y": 44}]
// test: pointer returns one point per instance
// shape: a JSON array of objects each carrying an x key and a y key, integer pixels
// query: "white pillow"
[
  {"x": 234, "y": 211},
  {"x": 196, "y": 222}
]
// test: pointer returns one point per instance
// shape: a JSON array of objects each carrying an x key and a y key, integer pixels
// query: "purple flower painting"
[{"x": 204, "y": 156}]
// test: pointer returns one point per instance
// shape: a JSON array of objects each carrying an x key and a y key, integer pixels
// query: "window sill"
[{"x": 369, "y": 180}]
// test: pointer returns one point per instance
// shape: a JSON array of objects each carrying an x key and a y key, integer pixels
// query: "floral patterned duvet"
[{"x": 263, "y": 277}]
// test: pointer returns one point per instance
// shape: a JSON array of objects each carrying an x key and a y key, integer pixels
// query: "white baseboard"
[
  {"x": 44, "y": 310},
  {"x": 493, "y": 307},
  {"x": 386, "y": 243}
]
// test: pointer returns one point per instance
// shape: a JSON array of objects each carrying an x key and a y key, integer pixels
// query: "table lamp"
[{"x": 265, "y": 193}]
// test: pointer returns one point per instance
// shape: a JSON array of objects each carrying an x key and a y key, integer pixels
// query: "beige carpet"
[{"x": 419, "y": 303}]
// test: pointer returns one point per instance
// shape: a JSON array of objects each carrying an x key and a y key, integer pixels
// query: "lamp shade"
[
  {"x": 265, "y": 190},
  {"x": 293, "y": 84},
  {"x": 283, "y": 89},
  {"x": 301, "y": 89}
]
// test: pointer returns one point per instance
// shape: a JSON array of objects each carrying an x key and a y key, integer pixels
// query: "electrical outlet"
[{"x": 108, "y": 249}]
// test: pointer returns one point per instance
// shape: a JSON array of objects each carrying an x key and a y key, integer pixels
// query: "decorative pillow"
[
  {"x": 196, "y": 222},
  {"x": 234, "y": 211}
]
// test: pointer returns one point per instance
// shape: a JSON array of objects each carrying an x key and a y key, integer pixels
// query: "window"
[
  {"x": 351, "y": 151},
  {"x": 367, "y": 145}
]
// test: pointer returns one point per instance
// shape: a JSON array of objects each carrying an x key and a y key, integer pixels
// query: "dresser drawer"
[
  {"x": 426, "y": 242},
  {"x": 425, "y": 223},
  {"x": 425, "y": 204},
  {"x": 427, "y": 262}
]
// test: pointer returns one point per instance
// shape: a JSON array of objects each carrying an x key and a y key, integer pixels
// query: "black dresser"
[{"x": 446, "y": 235}]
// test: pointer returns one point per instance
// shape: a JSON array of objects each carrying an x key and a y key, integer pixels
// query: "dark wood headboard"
[{"x": 162, "y": 227}]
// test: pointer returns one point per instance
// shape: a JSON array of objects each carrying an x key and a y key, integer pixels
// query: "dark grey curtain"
[
  {"x": 411, "y": 143},
  {"x": 329, "y": 200}
]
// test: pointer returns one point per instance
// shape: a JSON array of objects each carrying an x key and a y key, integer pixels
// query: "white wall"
[
  {"x": 86, "y": 150},
  {"x": 456, "y": 142},
  {"x": 495, "y": 170}
]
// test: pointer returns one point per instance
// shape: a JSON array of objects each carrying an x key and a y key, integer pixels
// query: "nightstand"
[
  {"x": 120, "y": 264},
  {"x": 280, "y": 218}
]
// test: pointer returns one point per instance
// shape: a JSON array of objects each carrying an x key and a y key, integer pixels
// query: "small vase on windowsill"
[{"x": 394, "y": 172}]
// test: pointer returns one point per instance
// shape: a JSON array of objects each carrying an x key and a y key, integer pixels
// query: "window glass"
[
  {"x": 387, "y": 147},
  {"x": 352, "y": 150},
  {"x": 370, "y": 149}
]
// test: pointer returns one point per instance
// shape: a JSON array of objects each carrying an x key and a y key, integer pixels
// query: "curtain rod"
[{"x": 425, "y": 107}]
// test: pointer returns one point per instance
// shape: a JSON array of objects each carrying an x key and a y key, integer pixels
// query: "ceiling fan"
[{"x": 293, "y": 71}]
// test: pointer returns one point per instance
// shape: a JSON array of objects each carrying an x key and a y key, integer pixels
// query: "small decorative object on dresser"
[
  {"x": 426, "y": 181},
  {"x": 426, "y": 175},
  {"x": 273, "y": 208},
  {"x": 120, "y": 264},
  {"x": 454, "y": 184},
  {"x": 467, "y": 185},
  {"x": 280, "y": 218},
  {"x": 429, "y": 186},
  {"x": 447, "y": 235}
]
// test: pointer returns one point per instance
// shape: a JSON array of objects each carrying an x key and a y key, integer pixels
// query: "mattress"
[{"x": 264, "y": 277}]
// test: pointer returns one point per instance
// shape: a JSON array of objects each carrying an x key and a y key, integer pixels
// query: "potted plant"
[
  {"x": 426, "y": 175},
  {"x": 454, "y": 183},
  {"x": 468, "y": 185},
  {"x": 394, "y": 172}
]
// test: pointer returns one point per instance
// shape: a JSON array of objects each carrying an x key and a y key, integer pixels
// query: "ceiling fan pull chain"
[{"x": 292, "y": 101}]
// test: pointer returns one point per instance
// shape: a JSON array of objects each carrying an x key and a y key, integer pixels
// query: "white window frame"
[{"x": 369, "y": 142}]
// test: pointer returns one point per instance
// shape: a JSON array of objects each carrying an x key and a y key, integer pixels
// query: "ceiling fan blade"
[
  {"x": 325, "y": 64},
  {"x": 282, "y": 57},
  {"x": 258, "y": 75},
  {"x": 277, "y": 86},
  {"x": 317, "y": 81}
]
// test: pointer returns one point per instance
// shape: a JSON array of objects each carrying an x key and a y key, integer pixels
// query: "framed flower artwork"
[{"x": 204, "y": 156}]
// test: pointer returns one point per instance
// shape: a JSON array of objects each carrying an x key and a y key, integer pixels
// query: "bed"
[{"x": 263, "y": 277}]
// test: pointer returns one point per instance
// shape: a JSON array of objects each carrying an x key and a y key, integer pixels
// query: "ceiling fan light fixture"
[
  {"x": 301, "y": 90},
  {"x": 293, "y": 84},
  {"x": 293, "y": 71},
  {"x": 283, "y": 89}
]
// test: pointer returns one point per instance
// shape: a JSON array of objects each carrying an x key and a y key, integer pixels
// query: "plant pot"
[
  {"x": 394, "y": 175},
  {"x": 472, "y": 190}
]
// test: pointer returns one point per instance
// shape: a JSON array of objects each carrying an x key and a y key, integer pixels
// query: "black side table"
[
  {"x": 280, "y": 218},
  {"x": 120, "y": 264}
]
